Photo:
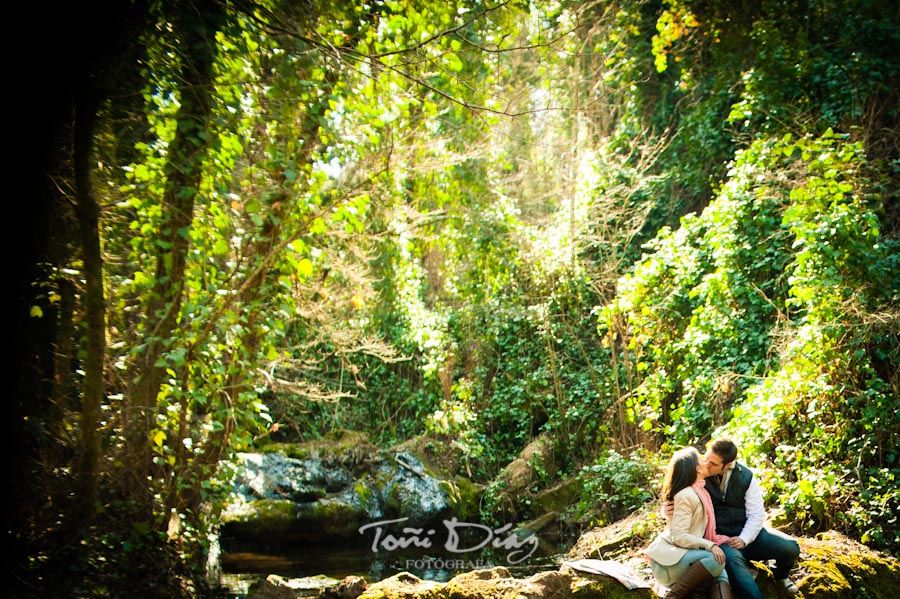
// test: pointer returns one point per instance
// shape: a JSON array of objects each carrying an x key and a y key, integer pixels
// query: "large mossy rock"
[
  {"x": 403, "y": 586},
  {"x": 325, "y": 491},
  {"x": 512, "y": 486},
  {"x": 835, "y": 567}
]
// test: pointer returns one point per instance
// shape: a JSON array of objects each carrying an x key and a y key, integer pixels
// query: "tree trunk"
[
  {"x": 88, "y": 212},
  {"x": 184, "y": 168}
]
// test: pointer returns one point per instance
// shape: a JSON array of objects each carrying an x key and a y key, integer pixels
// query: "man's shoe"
[{"x": 789, "y": 586}]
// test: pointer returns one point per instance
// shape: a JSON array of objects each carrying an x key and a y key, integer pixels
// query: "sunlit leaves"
[
  {"x": 351, "y": 213},
  {"x": 674, "y": 23},
  {"x": 831, "y": 225}
]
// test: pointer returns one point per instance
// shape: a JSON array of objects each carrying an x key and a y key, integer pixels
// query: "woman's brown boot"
[
  {"x": 696, "y": 575},
  {"x": 720, "y": 590},
  {"x": 701, "y": 592}
]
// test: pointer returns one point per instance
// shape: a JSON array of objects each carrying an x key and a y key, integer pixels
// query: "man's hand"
[{"x": 736, "y": 542}]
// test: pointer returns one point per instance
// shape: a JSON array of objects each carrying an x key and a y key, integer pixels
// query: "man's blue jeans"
[{"x": 769, "y": 544}]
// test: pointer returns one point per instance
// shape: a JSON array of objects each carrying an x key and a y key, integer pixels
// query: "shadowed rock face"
[{"x": 276, "y": 476}]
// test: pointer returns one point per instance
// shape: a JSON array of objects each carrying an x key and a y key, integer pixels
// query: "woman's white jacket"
[{"x": 684, "y": 531}]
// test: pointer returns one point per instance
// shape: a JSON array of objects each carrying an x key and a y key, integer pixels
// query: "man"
[{"x": 740, "y": 515}]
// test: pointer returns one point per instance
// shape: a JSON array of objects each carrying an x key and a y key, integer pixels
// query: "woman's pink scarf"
[{"x": 710, "y": 533}]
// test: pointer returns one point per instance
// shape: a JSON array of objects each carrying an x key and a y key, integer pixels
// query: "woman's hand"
[{"x": 719, "y": 554}]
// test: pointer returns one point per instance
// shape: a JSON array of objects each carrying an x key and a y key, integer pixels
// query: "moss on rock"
[
  {"x": 832, "y": 566},
  {"x": 334, "y": 518},
  {"x": 343, "y": 447},
  {"x": 587, "y": 586},
  {"x": 494, "y": 583},
  {"x": 264, "y": 518},
  {"x": 464, "y": 495},
  {"x": 560, "y": 497},
  {"x": 498, "y": 583},
  {"x": 403, "y": 586}
]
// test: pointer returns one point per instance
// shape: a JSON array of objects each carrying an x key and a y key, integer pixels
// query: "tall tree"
[
  {"x": 88, "y": 212},
  {"x": 195, "y": 29}
]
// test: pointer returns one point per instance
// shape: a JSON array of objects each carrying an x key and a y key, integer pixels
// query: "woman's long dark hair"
[{"x": 681, "y": 473}]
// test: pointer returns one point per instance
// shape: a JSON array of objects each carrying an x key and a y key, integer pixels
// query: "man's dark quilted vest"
[{"x": 731, "y": 511}]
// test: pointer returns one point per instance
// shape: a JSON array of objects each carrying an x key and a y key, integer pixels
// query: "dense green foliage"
[
  {"x": 624, "y": 226},
  {"x": 617, "y": 484},
  {"x": 771, "y": 315}
]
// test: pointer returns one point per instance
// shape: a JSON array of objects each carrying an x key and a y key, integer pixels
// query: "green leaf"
[
  {"x": 317, "y": 227},
  {"x": 305, "y": 267},
  {"x": 298, "y": 245}
]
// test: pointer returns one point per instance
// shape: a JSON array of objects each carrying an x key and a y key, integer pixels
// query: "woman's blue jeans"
[
  {"x": 769, "y": 544},
  {"x": 669, "y": 575}
]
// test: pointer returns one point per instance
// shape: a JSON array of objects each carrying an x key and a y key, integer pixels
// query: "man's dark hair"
[{"x": 725, "y": 449}]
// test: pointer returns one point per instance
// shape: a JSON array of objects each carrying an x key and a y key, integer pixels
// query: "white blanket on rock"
[{"x": 620, "y": 572}]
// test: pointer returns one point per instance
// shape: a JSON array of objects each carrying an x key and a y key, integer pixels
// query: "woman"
[{"x": 686, "y": 554}]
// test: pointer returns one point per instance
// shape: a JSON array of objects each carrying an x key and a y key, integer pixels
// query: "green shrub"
[{"x": 615, "y": 486}]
